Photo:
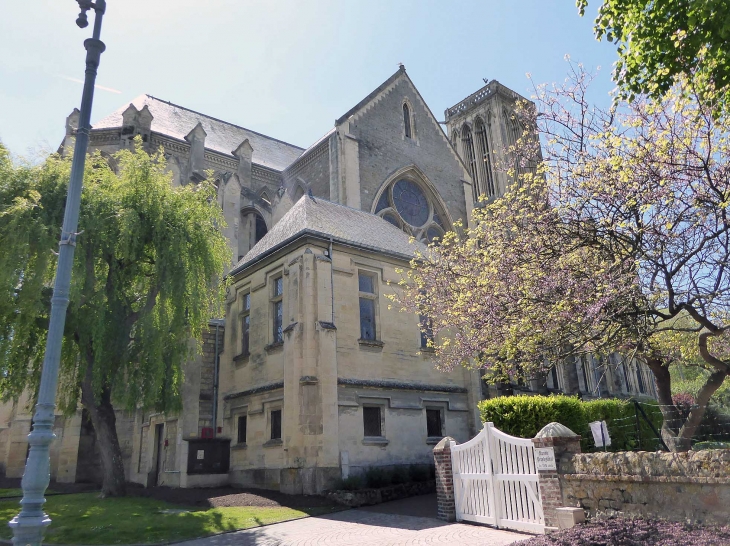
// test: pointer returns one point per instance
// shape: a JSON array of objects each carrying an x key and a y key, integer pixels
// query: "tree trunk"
[
  {"x": 104, "y": 421},
  {"x": 677, "y": 431}
]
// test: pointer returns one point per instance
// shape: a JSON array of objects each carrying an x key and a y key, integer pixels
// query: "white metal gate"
[{"x": 496, "y": 481}]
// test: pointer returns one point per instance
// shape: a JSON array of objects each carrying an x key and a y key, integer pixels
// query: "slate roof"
[
  {"x": 177, "y": 121},
  {"x": 315, "y": 216}
]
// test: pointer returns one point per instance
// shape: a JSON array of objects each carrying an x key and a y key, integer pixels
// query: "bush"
[
  {"x": 377, "y": 477},
  {"x": 634, "y": 531},
  {"x": 524, "y": 416},
  {"x": 399, "y": 475},
  {"x": 418, "y": 473},
  {"x": 351, "y": 483}
]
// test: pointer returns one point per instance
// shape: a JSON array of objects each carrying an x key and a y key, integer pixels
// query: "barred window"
[
  {"x": 276, "y": 424},
  {"x": 242, "y": 424},
  {"x": 277, "y": 310},
  {"x": 433, "y": 423},
  {"x": 371, "y": 418}
]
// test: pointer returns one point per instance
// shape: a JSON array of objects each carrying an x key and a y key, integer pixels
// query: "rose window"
[{"x": 407, "y": 205}]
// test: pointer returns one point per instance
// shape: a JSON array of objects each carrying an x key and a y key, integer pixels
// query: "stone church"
[{"x": 313, "y": 375}]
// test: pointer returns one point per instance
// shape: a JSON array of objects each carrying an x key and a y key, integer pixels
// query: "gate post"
[
  {"x": 444, "y": 480},
  {"x": 563, "y": 442}
]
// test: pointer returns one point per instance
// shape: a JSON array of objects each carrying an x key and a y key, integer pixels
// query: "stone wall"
[{"x": 693, "y": 486}]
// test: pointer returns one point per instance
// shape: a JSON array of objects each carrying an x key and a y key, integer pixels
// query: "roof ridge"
[
  {"x": 223, "y": 121},
  {"x": 401, "y": 70}
]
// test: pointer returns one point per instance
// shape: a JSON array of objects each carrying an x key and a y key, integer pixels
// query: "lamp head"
[{"x": 82, "y": 21}]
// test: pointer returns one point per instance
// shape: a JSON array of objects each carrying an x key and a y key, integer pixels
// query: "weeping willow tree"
[{"x": 148, "y": 262}]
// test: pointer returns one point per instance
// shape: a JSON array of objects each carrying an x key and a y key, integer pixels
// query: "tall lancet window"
[
  {"x": 407, "y": 120},
  {"x": 467, "y": 143},
  {"x": 485, "y": 160}
]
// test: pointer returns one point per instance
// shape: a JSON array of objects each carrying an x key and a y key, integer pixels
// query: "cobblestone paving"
[{"x": 361, "y": 528}]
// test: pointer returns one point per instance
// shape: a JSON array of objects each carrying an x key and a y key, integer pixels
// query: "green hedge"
[{"x": 524, "y": 416}]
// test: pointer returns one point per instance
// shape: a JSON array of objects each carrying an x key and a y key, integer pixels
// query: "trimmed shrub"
[
  {"x": 376, "y": 477},
  {"x": 352, "y": 483},
  {"x": 418, "y": 473},
  {"x": 399, "y": 475},
  {"x": 524, "y": 416}
]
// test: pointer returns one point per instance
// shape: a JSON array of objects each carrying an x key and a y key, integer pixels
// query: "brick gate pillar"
[
  {"x": 444, "y": 480},
  {"x": 561, "y": 442}
]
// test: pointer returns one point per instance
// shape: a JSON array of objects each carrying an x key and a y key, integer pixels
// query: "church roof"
[
  {"x": 318, "y": 217},
  {"x": 398, "y": 73},
  {"x": 177, "y": 121}
]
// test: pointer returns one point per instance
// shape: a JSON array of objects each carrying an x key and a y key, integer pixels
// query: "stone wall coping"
[
  {"x": 555, "y": 430},
  {"x": 634, "y": 478},
  {"x": 444, "y": 444}
]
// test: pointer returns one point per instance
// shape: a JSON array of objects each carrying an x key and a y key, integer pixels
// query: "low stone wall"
[
  {"x": 692, "y": 486},
  {"x": 366, "y": 497}
]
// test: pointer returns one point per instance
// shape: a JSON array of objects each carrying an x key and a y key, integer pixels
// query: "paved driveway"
[{"x": 363, "y": 528}]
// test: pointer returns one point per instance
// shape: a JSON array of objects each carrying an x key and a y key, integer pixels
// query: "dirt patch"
[{"x": 228, "y": 496}]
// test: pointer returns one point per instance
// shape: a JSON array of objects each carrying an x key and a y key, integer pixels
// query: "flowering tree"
[
  {"x": 618, "y": 240},
  {"x": 144, "y": 284}
]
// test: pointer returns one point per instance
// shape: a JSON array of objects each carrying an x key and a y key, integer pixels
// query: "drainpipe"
[
  {"x": 215, "y": 379},
  {"x": 332, "y": 279}
]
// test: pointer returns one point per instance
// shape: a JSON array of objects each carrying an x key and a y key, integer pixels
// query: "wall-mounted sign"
[
  {"x": 201, "y": 454},
  {"x": 545, "y": 458}
]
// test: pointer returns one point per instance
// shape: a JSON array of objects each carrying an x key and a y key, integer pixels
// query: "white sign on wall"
[
  {"x": 545, "y": 458},
  {"x": 201, "y": 454}
]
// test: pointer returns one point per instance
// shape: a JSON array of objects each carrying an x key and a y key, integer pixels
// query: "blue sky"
[{"x": 284, "y": 68}]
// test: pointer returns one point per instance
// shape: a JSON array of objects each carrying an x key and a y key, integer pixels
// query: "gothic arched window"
[
  {"x": 468, "y": 144},
  {"x": 407, "y": 120},
  {"x": 485, "y": 160}
]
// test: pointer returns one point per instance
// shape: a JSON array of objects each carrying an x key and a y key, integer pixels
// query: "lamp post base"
[{"x": 29, "y": 530}]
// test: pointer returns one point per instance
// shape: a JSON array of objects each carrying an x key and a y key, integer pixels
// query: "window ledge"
[
  {"x": 371, "y": 343},
  {"x": 274, "y": 443},
  {"x": 242, "y": 358},
  {"x": 433, "y": 440},
  {"x": 239, "y": 447},
  {"x": 375, "y": 441},
  {"x": 428, "y": 350},
  {"x": 273, "y": 347}
]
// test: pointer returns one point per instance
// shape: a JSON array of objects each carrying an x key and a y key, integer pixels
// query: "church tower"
[{"x": 481, "y": 127}]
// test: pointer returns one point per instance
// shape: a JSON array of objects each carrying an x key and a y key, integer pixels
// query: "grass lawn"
[
  {"x": 10, "y": 493},
  {"x": 83, "y": 518}
]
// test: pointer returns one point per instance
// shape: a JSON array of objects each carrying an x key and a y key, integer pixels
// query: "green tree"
[
  {"x": 618, "y": 240},
  {"x": 149, "y": 260},
  {"x": 659, "y": 41}
]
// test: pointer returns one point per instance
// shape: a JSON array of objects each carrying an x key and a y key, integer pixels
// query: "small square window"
[
  {"x": 276, "y": 424},
  {"x": 371, "y": 421},
  {"x": 242, "y": 424},
  {"x": 433, "y": 423}
]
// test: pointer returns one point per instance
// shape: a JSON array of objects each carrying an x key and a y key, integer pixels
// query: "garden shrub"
[
  {"x": 351, "y": 483},
  {"x": 524, "y": 416},
  {"x": 399, "y": 475},
  {"x": 418, "y": 473},
  {"x": 376, "y": 477}
]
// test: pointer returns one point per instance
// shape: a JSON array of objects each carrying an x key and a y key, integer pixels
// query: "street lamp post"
[{"x": 29, "y": 526}]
